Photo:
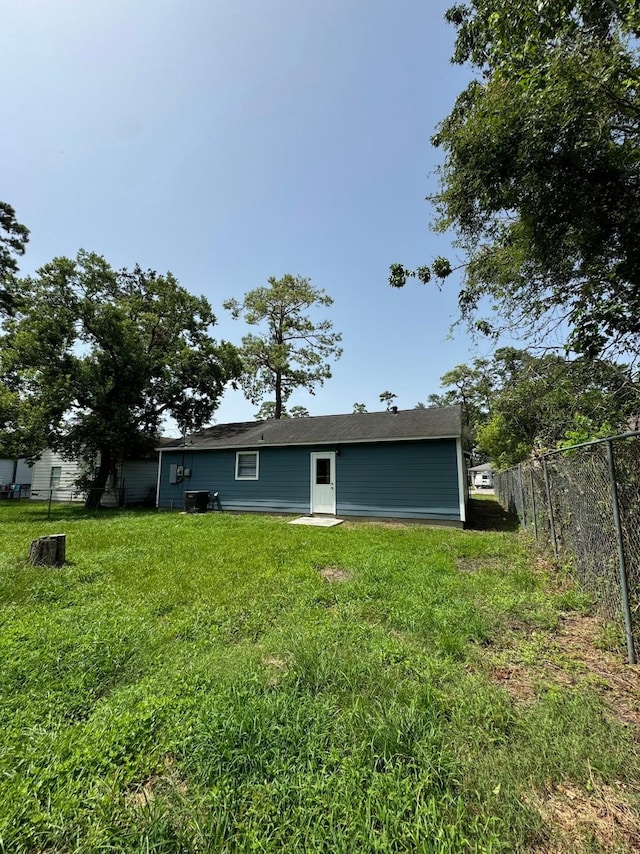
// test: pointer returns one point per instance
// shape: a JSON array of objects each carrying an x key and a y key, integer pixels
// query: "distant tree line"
[{"x": 516, "y": 403}]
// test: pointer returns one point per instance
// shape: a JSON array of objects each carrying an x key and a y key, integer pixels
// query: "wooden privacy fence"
[{"x": 584, "y": 503}]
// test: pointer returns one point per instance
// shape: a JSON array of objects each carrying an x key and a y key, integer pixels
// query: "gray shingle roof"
[
  {"x": 482, "y": 467},
  {"x": 408, "y": 424}
]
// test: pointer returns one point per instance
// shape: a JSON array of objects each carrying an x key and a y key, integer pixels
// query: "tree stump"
[{"x": 48, "y": 551}]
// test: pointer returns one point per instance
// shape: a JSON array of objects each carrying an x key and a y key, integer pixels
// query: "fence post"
[
  {"x": 524, "y": 512},
  {"x": 533, "y": 504},
  {"x": 550, "y": 508},
  {"x": 622, "y": 565}
]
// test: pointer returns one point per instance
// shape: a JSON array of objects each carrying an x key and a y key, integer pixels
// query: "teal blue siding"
[
  {"x": 283, "y": 485},
  {"x": 408, "y": 480},
  {"x": 405, "y": 480}
]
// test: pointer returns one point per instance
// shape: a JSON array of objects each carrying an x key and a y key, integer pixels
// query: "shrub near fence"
[{"x": 584, "y": 503}]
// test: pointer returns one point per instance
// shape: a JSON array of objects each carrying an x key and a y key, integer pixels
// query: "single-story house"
[{"x": 398, "y": 464}]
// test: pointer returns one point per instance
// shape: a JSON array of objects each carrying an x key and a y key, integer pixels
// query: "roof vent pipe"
[{"x": 394, "y": 409}]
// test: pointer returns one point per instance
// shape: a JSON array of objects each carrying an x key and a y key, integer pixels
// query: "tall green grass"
[{"x": 193, "y": 683}]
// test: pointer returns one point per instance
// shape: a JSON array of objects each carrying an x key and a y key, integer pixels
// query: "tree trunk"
[
  {"x": 96, "y": 490},
  {"x": 278, "y": 390}
]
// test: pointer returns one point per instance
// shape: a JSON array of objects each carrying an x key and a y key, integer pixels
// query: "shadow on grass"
[
  {"x": 485, "y": 514},
  {"x": 38, "y": 511}
]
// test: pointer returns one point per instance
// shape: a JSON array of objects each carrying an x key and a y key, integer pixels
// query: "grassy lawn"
[{"x": 233, "y": 683}]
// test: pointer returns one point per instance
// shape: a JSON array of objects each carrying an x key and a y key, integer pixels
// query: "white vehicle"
[{"x": 482, "y": 480}]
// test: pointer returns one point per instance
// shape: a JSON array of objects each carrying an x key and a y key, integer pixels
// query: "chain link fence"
[
  {"x": 584, "y": 503},
  {"x": 106, "y": 498}
]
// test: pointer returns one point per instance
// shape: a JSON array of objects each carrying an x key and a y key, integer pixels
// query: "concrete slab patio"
[{"x": 317, "y": 521}]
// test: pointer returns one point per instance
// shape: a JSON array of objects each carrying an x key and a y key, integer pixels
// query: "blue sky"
[{"x": 233, "y": 140}]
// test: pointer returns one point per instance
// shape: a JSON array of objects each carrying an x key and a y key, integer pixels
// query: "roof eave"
[{"x": 266, "y": 444}]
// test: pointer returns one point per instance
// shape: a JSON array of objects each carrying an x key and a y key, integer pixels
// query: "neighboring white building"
[
  {"x": 481, "y": 476},
  {"x": 55, "y": 476},
  {"x": 15, "y": 471},
  {"x": 15, "y": 478}
]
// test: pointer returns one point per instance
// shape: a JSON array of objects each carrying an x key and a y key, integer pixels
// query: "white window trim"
[{"x": 244, "y": 477}]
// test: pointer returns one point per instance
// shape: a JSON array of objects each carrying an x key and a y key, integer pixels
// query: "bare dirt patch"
[
  {"x": 617, "y": 682},
  {"x": 277, "y": 666},
  {"x": 334, "y": 574},
  {"x": 580, "y": 818},
  {"x": 518, "y": 681},
  {"x": 157, "y": 786},
  {"x": 569, "y": 655},
  {"x": 274, "y": 661}
]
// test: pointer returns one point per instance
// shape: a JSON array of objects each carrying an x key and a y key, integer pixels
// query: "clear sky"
[{"x": 233, "y": 140}]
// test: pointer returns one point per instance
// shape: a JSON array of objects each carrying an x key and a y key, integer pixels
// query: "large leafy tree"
[
  {"x": 291, "y": 350},
  {"x": 93, "y": 360},
  {"x": 13, "y": 239},
  {"x": 541, "y": 172}
]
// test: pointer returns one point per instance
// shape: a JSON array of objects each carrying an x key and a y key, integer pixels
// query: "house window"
[
  {"x": 247, "y": 465},
  {"x": 54, "y": 477},
  {"x": 323, "y": 470}
]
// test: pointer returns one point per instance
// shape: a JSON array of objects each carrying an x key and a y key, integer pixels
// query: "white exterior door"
[{"x": 323, "y": 482}]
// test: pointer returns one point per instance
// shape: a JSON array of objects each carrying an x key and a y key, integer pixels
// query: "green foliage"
[
  {"x": 359, "y": 408},
  {"x": 541, "y": 164},
  {"x": 539, "y": 179},
  {"x": 268, "y": 409},
  {"x": 291, "y": 350},
  {"x": 500, "y": 444},
  {"x": 193, "y": 683},
  {"x": 93, "y": 359},
  {"x": 13, "y": 240},
  {"x": 516, "y": 402},
  {"x": 398, "y": 273},
  {"x": 299, "y": 412},
  {"x": 23, "y": 428},
  {"x": 472, "y": 387},
  {"x": 542, "y": 399},
  {"x": 583, "y": 429},
  {"x": 387, "y": 397}
]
